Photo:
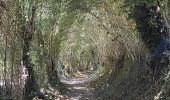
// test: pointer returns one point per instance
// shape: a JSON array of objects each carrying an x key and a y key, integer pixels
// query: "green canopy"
[{"x": 167, "y": 12}]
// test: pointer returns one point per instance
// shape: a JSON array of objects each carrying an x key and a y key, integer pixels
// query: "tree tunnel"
[
  {"x": 84, "y": 50},
  {"x": 118, "y": 72}
]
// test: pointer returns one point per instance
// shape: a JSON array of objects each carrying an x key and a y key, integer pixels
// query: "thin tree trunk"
[
  {"x": 5, "y": 63},
  {"x": 12, "y": 64},
  {"x": 31, "y": 87}
]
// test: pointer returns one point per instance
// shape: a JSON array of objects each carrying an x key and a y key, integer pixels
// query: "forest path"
[{"x": 80, "y": 92}]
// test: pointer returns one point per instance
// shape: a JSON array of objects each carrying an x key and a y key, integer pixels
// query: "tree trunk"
[
  {"x": 52, "y": 73},
  {"x": 31, "y": 87}
]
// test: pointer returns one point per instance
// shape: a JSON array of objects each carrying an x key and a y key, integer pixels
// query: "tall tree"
[{"x": 27, "y": 32}]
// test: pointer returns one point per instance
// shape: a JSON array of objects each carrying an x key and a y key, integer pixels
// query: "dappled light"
[{"x": 84, "y": 50}]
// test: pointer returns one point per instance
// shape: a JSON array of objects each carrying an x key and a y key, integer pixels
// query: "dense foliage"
[{"x": 45, "y": 41}]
